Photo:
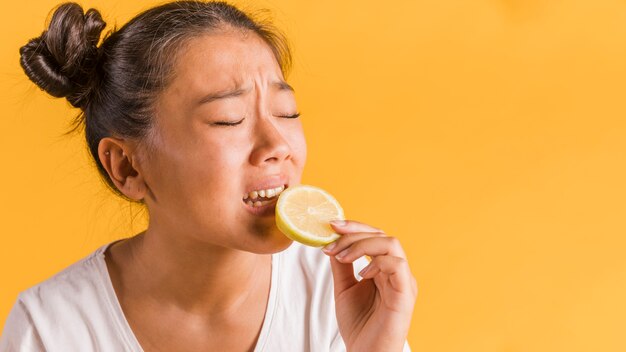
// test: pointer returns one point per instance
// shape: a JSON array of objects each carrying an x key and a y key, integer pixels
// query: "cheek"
[
  {"x": 215, "y": 172},
  {"x": 297, "y": 141},
  {"x": 198, "y": 174},
  {"x": 211, "y": 196}
]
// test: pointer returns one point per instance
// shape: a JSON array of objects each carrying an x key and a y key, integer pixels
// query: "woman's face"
[{"x": 201, "y": 170}]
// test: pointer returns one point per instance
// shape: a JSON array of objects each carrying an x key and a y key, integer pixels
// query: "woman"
[{"x": 186, "y": 110}]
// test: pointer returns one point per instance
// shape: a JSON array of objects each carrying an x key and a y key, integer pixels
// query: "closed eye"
[
  {"x": 224, "y": 123},
  {"x": 229, "y": 123},
  {"x": 294, "y": 116}
]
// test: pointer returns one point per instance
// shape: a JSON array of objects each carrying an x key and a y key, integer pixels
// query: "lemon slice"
[{"x": 303, "y": 214}]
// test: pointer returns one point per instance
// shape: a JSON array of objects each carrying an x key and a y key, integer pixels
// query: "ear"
[{"x": 116, "y": 155}]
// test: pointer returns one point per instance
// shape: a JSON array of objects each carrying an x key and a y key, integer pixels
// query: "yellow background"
[{"x": 488, "y": 135}]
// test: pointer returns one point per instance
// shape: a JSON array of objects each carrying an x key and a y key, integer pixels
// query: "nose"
[{"x": 270, "y": 144}]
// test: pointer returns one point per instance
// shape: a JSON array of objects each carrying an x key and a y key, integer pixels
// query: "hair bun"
[{"x": 62, "y": 61}]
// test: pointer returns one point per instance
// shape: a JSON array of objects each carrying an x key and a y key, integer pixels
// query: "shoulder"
[
  {"x": 69, "y": 286},
  {"x": 65, "y": 309},
  {"x": 19, "y": 332}
]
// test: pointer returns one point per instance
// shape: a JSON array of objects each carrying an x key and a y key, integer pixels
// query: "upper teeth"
[{"x": 269, "y": 193}]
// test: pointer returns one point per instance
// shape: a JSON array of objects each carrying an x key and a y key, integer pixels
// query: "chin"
[
  {"x": 270, "y": 242},
  {"x": 276, "y": 243}
]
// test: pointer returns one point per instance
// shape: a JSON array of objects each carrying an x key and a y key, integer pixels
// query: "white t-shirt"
[{"x": 77, "y": 309}]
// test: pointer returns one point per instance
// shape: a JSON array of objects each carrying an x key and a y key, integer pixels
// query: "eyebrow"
[{"x": 238, "y": 91}]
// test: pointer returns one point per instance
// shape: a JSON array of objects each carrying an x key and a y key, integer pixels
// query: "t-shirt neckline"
[{"x": 124, "y": 328}]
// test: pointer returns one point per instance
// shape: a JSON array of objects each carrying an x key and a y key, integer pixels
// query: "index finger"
[{"x": 351, "y": 226}]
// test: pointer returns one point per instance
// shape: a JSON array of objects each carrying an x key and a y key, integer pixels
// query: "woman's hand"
[{"x": 373, "y": 314}]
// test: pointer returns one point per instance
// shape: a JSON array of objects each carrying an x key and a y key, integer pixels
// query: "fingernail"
[
  {"x": 329, "y": 247},
  {"x": 342, "y": 254},
  {"x": 364, "y": 270},
  {"x": 338, "y": 222}
]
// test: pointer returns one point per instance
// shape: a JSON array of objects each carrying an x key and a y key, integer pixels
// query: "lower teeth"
[{"x": 258, "y": 203}]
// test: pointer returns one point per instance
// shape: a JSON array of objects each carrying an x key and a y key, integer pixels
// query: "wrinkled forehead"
[{"x": 225, "y": 59}]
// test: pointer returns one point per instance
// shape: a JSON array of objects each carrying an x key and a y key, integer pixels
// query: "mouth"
[{"x": 263, "y": 202}]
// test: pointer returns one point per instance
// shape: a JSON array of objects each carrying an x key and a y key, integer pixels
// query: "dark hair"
[{"x": 115, "y": 85}]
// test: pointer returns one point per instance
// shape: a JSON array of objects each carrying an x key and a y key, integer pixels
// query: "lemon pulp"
[{"x": 303, "y": 213}]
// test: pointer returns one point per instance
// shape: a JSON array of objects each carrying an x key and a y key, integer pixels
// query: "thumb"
[{"x": 343, "y": 275}]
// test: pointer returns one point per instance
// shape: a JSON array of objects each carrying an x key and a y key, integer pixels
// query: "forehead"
[{"x": 224, "y": 58}]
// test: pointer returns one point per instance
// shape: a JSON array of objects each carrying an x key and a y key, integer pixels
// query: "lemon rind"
[{"x": 289, "y": 229}]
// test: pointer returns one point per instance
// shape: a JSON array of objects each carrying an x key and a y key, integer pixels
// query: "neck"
[{"x": 195, "y": 276}]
